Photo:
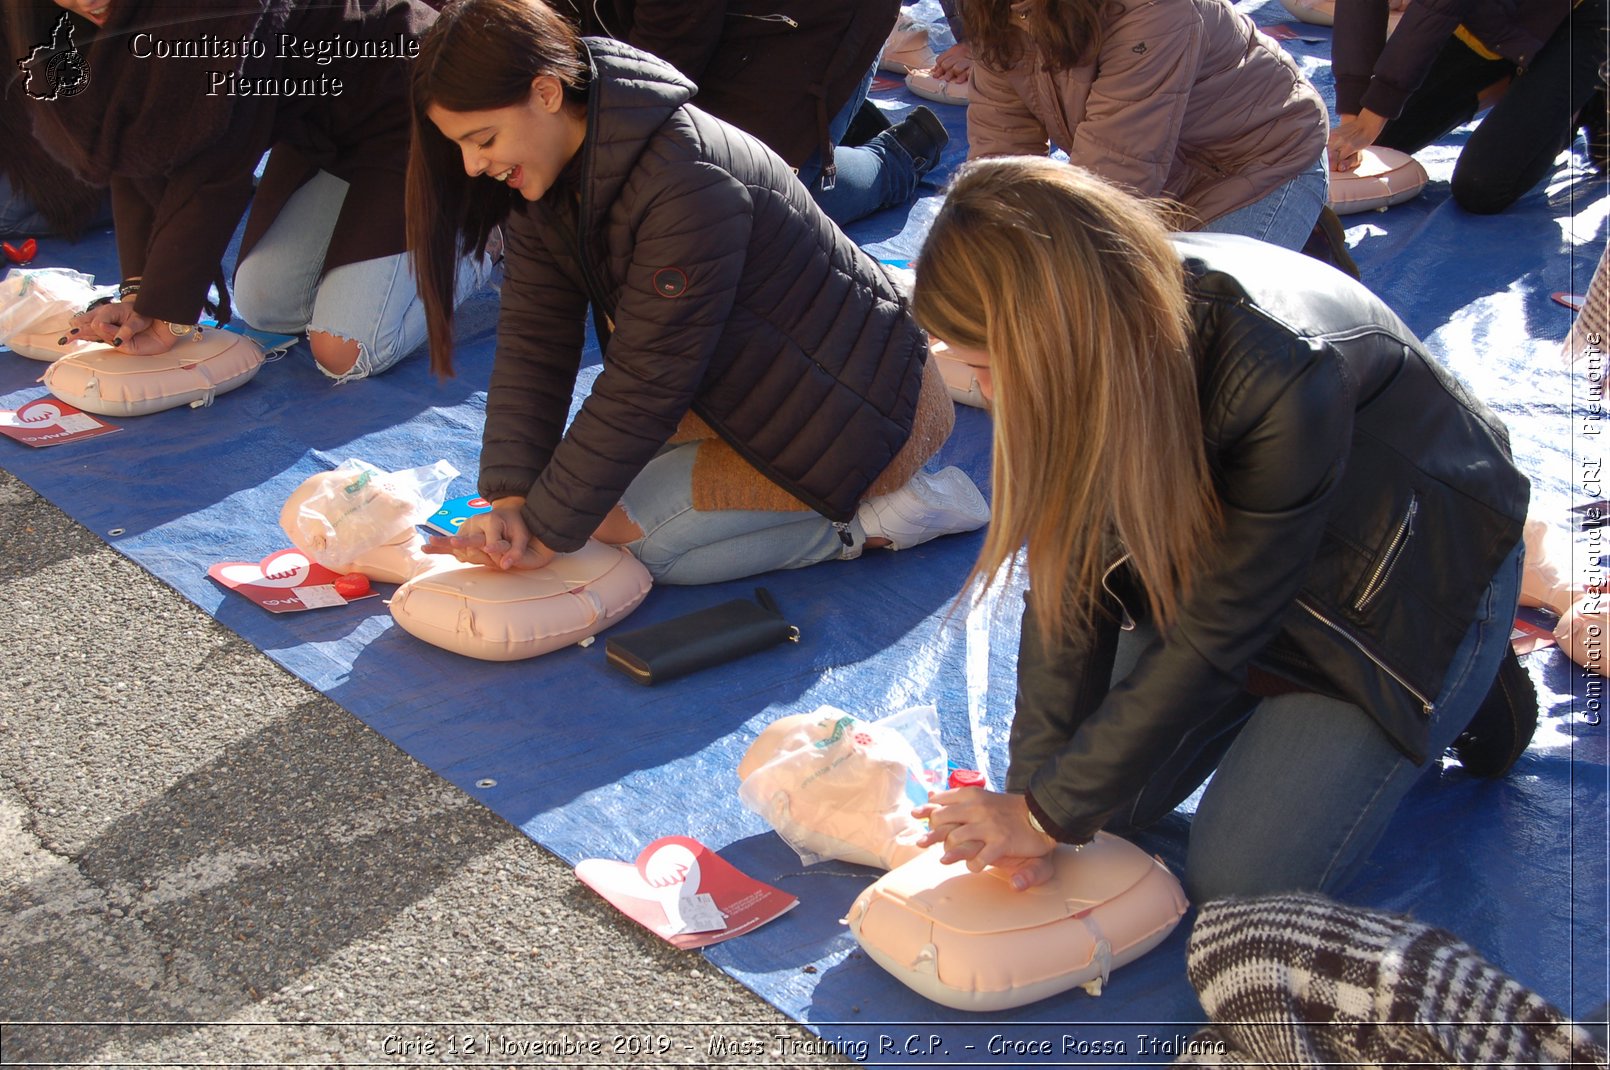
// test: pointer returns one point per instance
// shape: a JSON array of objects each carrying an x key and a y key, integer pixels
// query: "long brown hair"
[
  {"x": 1066, "y": 32},
  {"x": 1074, "y": 290},
  {"x": 478, "y": 55}
]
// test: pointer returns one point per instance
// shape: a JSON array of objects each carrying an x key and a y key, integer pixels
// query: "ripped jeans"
[{"x": 282, "y": 286}]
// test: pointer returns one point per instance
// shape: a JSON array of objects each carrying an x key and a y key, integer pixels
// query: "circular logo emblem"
[
  {"x": 670, "y": 282},
  {"x": 66, "y": 74},
  {"x": 40, "y": 413}
]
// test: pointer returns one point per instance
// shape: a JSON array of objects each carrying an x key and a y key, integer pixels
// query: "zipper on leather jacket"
[
  {"x": 790, "y": 23},
  {"x": 1389, "y": 557},
  {"x": 1427, "y": 707}
]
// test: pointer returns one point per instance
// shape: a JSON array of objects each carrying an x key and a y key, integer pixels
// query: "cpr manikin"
[
  {"x": 358, "y": 518},
  {"x": 1383, "y": 177},
  {"x": 1548, "y": 582},
  {"x": 835, "y": 786}
]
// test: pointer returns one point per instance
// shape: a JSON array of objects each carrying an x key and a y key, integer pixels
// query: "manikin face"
[
  {"x": 526, "y": 145},
  {"x": 977, "y": 359},
  {"x": 95, "y": 11}
]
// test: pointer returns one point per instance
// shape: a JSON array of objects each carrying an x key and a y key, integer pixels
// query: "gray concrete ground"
[{"x": 198, "y": 846}]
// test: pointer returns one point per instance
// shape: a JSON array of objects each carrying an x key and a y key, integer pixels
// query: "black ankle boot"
[
  {"x": 922, "y": 135},
  {"x": 868, "y": 122},
  {"x": 1503, "y": 724},
  {"x": 1328, "y": 242}
]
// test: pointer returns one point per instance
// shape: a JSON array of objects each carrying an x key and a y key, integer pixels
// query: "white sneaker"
[{"x": 932, "y": 504}]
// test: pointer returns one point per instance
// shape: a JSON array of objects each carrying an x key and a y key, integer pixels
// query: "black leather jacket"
[{"x": 1368, "y": 499}]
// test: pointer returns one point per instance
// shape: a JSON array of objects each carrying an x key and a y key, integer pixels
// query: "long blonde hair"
[{"x": 1075, "y": 292}]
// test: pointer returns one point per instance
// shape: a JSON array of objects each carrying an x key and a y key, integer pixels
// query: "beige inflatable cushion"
[
  {"x": 46, "y": 344},
  {"x": 973, "y": 942},
  {"x": 485, "y": 613},
  {"x": 922, "y": 83},
  {"x": 1583, "y": 631},
  {"x": 1384, "y": 177},
  {"x": 99, "y": 379}
]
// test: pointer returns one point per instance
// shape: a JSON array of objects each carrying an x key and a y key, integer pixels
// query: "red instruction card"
[
  {"x": 284, "y": 582},
  {"x": 685, "y": 893},
  {"x": 48, "y": 422}
]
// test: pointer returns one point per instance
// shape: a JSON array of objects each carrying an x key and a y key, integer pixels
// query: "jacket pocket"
[{"x": 1386, "y": 560}]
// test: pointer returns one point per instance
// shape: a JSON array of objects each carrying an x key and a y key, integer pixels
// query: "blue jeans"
[
  {"x": 682, "y": 545},
  {"x": 282, "y": 286},
  {"x": 1286, "y": 215},
  {"x": 1305, "y": 785},
  {"x": 870, "y": 177}
]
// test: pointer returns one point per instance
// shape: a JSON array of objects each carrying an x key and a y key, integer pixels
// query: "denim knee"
[
  {"x": 661, "y": 548},
  {"x": 260, "y": 298},
  {"x": 375, "y": 355}
]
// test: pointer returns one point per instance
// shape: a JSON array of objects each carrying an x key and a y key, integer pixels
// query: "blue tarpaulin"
[{"x": 593, "y": 766}]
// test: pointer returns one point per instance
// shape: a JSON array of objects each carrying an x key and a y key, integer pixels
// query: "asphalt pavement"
[{"x": 203, "y": 860}]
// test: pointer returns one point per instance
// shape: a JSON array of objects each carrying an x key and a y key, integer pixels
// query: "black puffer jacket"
[
  {"x": 729, "y": 292},
  {"x": 1368, "y": 499}
]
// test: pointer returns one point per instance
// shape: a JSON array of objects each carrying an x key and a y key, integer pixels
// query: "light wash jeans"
[
  {"x": 1286, "y": 215},
  {"x": 870, "y": 177},
  {"x": 681, "y": 545},
  {"x": 282, "y": 286},
  {"x": 1306, "y": 785}
]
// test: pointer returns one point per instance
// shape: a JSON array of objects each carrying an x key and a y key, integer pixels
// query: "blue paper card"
[{"x": 455, "y": 511}]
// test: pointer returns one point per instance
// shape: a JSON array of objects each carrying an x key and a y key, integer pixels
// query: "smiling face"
[
  {"x": 95, "y": 11},
  {"x": 525, "y": 145}
]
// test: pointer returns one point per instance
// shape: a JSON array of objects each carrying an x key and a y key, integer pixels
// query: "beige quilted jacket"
[{"x": 1183, "y": 99}]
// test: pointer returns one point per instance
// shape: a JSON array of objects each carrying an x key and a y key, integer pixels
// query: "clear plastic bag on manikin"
[
  {"x": 835, "y": 786},
  {"x": 32, "y": 299},
  {"x": 929, "y": 15},
  {"x": 357, "y": 507}
]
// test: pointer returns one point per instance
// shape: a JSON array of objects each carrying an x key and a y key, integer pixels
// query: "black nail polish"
[
  {"x": 117, "y": 341},
  {"x": 62, "y": 340},
  {"x": 73, "y": 331}
]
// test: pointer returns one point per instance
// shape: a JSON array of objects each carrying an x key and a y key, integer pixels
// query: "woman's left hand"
[
  {"x": 986, "y": 828},
  {"x": 116, "y": 323}
]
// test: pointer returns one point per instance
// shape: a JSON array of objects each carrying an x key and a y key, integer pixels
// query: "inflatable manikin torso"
[
  {"x": 827, "y": 782},
  {"x": 1547, "y": 582},
  {"x": 97, "y": 378},
  {"x": 357, "y": 518},
  {"x": 1384, "y": 177},
  {"x": 36, "y": 315}
]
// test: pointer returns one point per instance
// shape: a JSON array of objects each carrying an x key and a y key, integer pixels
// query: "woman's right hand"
[
  {"x": 954, "y": 64},
  {"x": 499, "y": 538},
  {"x": 116, "y": 323},
  {"x": 1351, "y": 136}
]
